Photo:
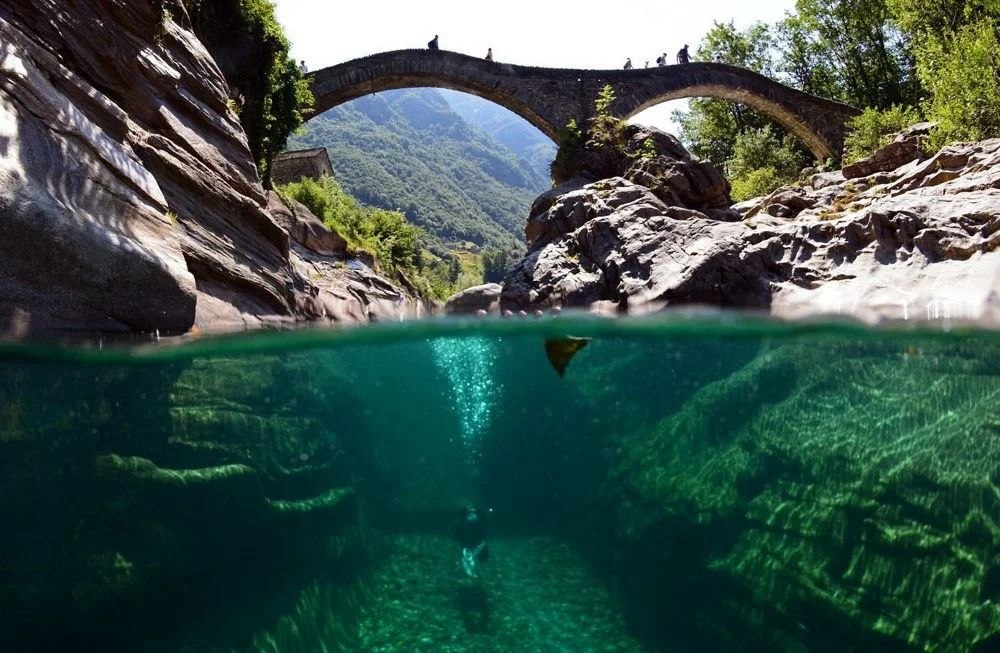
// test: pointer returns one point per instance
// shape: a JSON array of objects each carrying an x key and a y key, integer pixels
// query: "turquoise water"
[{"x": 691, "y": 483}]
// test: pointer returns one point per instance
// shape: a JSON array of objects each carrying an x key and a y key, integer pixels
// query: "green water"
[{"x": 693, "y": 483}]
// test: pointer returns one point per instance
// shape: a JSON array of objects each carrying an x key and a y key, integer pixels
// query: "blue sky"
[{"x": 556, "y": 34}]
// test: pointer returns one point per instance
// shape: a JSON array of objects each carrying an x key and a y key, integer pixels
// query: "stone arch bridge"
[{"x": 549, "y": 98}]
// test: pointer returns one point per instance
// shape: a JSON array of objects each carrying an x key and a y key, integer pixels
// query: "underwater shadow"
[{"x": 474, "y": 606}]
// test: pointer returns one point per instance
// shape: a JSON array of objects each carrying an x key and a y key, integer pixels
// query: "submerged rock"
[{"x": 818, "y": 499}]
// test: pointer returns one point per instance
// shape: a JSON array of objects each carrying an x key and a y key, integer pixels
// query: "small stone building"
[{"x": 294, "y": 165}]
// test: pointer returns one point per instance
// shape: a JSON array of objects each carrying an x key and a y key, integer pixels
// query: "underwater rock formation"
[
  {"x": 152, "y": 501},
  {"x": 918, "y": 242},
  {"x": 804, "y": 517},
  {"x": 129, "y": 200}
]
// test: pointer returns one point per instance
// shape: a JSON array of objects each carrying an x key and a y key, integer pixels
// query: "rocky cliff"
[
  {"x": 904, "y": 238},
  {"x": 129, "y": 200}
]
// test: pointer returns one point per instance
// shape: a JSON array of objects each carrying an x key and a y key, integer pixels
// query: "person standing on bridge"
[
  {"x": 682, "y": 55},
  {"x": 489, "y": 54},
  {"x": 661, "y": 60},
  {"x": 433, "y": 43},
  {"x": 303, "y": 68},
  {"x": 628, "y": 63}
]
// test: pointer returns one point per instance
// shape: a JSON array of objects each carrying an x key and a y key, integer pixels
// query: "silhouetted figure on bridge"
[
  {"x": 433, "y": 43},
  {"x": 661, "y": 61},
  {"x": 303, "y": 68},
  {"x": 683, "y": 56},
  {"x": 489, "y": 54},
  {"x": 628, "y": 63}
]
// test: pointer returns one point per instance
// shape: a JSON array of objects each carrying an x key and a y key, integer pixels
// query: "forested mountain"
[
  {"x": 506, "y": 127},
  {"x": 409, "y": 150}
]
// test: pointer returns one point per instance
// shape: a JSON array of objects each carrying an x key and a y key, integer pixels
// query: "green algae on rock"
[{"x": 854, "y": 485}]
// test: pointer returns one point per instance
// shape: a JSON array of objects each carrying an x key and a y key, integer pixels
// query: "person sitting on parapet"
[
  {"x": 628, "y": 63},
  {"x": 661, "y": 61},
  {"x": 303, "y": 68},
  {"x": 489, "y": 54},
  {"x": 683, "y": 56},
  {"x": 433, "y": 43}
]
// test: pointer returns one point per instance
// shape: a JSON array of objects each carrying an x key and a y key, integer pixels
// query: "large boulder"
[
  {"x": 129, "y": 200},
  {"x": 907, "y": 146},
  {"x": 485, "y": 297},
  {"x": 915, "y": 242},
  {"x": 656, "y": 160},
  {"x": 615, "y": 241}
]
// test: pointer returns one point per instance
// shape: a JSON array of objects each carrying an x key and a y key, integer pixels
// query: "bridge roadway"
[{"x": 549, "y": 97}]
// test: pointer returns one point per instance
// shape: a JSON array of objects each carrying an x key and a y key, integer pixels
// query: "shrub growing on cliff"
[
  {"x": 604, "y": 133},
  {"x": 571, "y": 139},
  {"x": 762, "y": 161},
  {"x": 874, "y": 128},
  {"x": 393, "y": 241},
  {"x": 397, "y": 245},
  {"x": 251, "y": 49}
]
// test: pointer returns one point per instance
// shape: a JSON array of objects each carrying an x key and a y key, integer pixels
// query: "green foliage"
[
  {"x": 962, "y": 74},
  {"x": 648, "y": 150},
  {"x": 604, "y": 128},
  {"x": 605, "y": 133},
  {"x": 571, "y": 139},
  {"x": 755, "y": 183},
  {"x": 395, "y": 243},
  {"x": 862, "y": 53},
  {"x": 386, "y": 234},
  {"x": 442, "y": 277},
  {"x": 874, "y": 128},
  {"x": 957, "y": 53},
  {"x": 710, "y": 126},
  {"x": 496, "y": 263},
  {"x": 605, "y": 98},
  {"x": 408, "y": 150},
  {"x": 849, "y": 50},
  {"x": 762, "y": 161},
  {"x": 251, "y": 49}
]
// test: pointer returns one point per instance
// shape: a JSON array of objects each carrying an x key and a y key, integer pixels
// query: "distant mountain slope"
[
  {"x": 409, "y": 150},
  {"x": 506, "y": 127}
]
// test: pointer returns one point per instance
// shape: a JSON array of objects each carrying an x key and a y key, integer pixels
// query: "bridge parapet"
[{"x": 548, "y": 98}]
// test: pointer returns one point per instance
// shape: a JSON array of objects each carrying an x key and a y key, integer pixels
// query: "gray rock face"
[
  {"x": 614, "y": 241},
  {"x": 128, "y": 197},
  {"x": 915, "y": 243},
  {"x": 478, "y": 298},
  {"x": 906, "y": 147},
  {"x": 659, "y": 162},
  {"x": 304, "y": 227}
]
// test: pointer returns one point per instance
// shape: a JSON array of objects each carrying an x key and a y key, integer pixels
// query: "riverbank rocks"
[
  {"x": 907, "y": 146},
  {"x": 485, "y": 297},
  {"x": 654, "y": 159},
  {"x": 916, "y": 242},
  {"x": 129, "y": 200}
]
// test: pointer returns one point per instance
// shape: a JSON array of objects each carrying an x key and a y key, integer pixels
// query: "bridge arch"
[{"x": 548, "y": 98}]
